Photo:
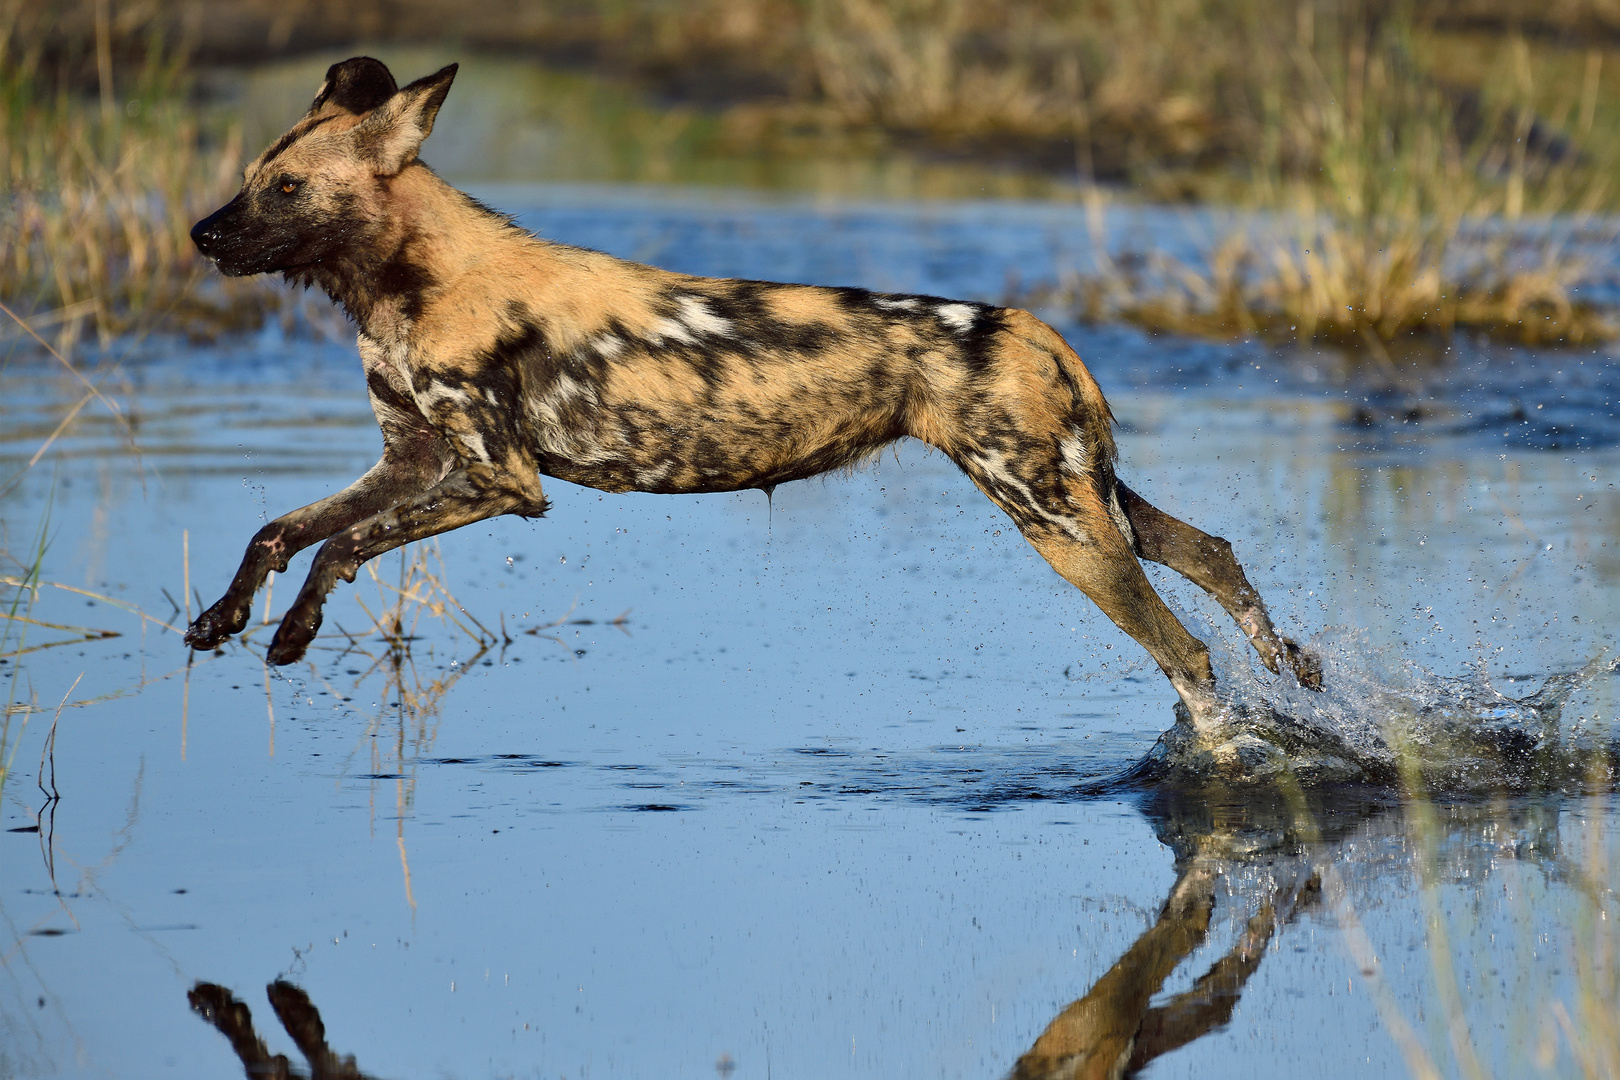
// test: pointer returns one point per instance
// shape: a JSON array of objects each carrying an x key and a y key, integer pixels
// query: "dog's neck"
[{"x": 434, "y": 236}]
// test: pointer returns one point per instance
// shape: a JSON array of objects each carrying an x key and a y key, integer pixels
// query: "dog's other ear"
[
  {"x": 355, "y": 86},
  {"x": 392, "y": 133}
]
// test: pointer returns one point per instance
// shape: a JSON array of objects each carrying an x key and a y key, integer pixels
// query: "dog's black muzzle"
[{"x": 213, "y": 234}]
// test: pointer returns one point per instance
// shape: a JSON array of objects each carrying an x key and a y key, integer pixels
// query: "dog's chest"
[{"x": 387, "y": 365}]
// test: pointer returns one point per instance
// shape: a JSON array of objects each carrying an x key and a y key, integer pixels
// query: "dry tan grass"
[
  {"x": 98, "y": 195},
  {"x": 1127, "y": 83},
  {"x": 1411, "y": 223},
  {"x": 1379, "y": 136},
  {"x": 421, "y": 590},
  {"x": 1320, "y": 279}
]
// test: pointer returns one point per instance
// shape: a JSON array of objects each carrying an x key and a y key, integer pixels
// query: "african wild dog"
[{"x": 494, "y": 358}]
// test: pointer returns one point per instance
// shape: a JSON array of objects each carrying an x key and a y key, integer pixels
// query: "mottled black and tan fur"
[{"x": 495, "y": 358}]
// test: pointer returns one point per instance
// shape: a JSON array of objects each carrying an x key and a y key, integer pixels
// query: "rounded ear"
[
  {"x": 392, "y": 133},
  {"x": 357, "y": 85}
]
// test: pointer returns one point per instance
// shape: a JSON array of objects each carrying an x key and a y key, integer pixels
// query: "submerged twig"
[
  {"x": 34, "y": 585},
  {"x": 47, "y": 811}
]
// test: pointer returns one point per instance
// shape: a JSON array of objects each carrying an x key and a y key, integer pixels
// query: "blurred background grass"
[
  {"x": 1405, "y": 156},
  {"x": 1400, "y": 169}
]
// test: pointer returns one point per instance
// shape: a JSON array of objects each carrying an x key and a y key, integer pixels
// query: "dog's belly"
[{"x": 688, "y": 450}]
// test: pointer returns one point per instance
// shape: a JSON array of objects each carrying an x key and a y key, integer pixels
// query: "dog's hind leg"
[
  {"x": 1207, "y": 561},
  {"x": 1101, "y": 566},
  {"x": 1062, "y": 516}
]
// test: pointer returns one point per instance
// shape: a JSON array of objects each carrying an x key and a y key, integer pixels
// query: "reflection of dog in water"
[
  {"x": 1112, "y": 1031},
  {"x": 297, "y": 1014},
  {"x": 494, "y": 358}
]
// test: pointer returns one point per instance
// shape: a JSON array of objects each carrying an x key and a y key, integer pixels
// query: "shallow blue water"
[{"x": 831, "y": 798}]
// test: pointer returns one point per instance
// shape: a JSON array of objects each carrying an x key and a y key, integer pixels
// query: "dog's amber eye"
[{"x": 288, "y": 187}]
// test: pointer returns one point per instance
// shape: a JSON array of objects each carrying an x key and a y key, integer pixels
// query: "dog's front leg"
[
  {"x": 415, "y": 455},
  {"x": 395, "y": 478},
  {"x": 466, "y": 495}
]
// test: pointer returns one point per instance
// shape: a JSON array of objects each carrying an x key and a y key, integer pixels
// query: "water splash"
[{"x": 1392, "y": 725}]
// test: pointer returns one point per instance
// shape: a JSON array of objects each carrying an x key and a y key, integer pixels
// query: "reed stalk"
[{"x": 97, "y": 198}]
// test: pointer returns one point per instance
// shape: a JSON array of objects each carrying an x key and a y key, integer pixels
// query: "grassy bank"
[
  {"x": 1165, "y": 93},
  {"x": 97, "y": 197},
  {"x": 1309, "y": 274},
  {"x": 1396, "y": 205},
  {"x": 1376, "y": 135}
]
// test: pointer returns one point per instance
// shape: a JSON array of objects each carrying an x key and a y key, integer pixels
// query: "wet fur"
[{"x": 494, "y": 358}]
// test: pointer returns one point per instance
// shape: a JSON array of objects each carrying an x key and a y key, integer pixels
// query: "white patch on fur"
[
  {"x": 474, "y": 443},
  {"x": 993, "y": 463},
  {"x": 691, "y": 319},
  {"x": 670, "y": 330},
  {"x": 1121, "y": 522},
  {"x": 492, "y": 397},
  {"x": 647, "y": 479},
  {"x": 696, "y": 315},
  {"x": 608, "y": 346},
  {"x": 387, "y": 362},
  {"x": 548, "y": 408},
  {"x": 1076, "y": 458},
  {"x": 428, "y": 399},
  {"x": 958, "y": 317},
  {"x": 905, "y": 303},
  {"x": 578, "y": 443}
]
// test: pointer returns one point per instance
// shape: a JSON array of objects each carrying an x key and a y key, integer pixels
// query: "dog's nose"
[
  {"x": 208, "y": 233},
  {"x": 205, "y": 234}
]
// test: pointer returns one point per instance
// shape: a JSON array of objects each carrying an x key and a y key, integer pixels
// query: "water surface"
[{"x": 822, "y": 785}]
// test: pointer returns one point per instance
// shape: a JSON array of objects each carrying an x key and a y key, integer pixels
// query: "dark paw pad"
[
  {"x": 292, "y": 638},
  {"x": 214, "y": 626}
]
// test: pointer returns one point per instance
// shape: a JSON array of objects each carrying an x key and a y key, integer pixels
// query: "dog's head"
[{"x": 324, "y": 184}]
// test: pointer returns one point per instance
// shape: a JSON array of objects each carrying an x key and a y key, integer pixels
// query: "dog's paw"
[
  {"x": 1306, "y": 664},
  {"x": 215, "y": 625},
  {"x": 293, "y": 636}
]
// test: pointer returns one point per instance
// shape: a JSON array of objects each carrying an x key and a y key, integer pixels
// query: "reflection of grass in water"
[
  {"x": 385, "y": 648},
  {"x": 409, "y": 703},
  {"x": 1464, "y": 1002},
  {"x": 14, "y": 643},
  {"x": 23, "y": 575},
  {"x": 1587, "y": 1025},
  {"x": 1593, "y": 1031},
  {"x": 420, "y": 591},
  {"x": 381, "y": 660}
]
